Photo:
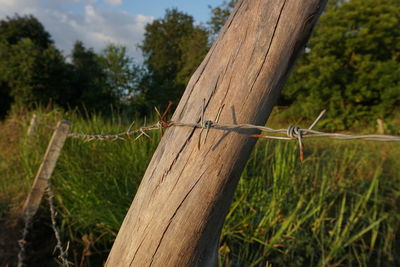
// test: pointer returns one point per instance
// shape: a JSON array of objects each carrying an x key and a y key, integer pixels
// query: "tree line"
[{"x": 350, "y": 66}]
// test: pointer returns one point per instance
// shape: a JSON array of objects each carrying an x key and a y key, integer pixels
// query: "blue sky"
[
  {"x": 99, "y": 22},
  {"x": 198, "y": 9}
]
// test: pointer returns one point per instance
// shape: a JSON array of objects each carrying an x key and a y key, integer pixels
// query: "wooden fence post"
[
  {"x": 33, "y": 125},
  {"x": 381, "y": 126},
  {"x": 180, "y": 206},
  {"x": 46, "y": 169}
]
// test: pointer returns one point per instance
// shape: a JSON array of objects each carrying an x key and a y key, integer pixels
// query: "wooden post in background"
[
  {"x": 381, "y": 126},
  {"x": 181, "y": 204},
  {"x": 46, "y": 169},
  {"x": 33, "y": 125}
]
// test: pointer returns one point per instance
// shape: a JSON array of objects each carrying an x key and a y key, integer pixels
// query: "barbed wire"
[
  {"x": 282, "y": 134},
  {"x": 63, "y": 254},
  {"x": 23, "y": 242},
  {"x": 27, "y": 220},
  {"x": 290, "y": 133},
  {"x": 118, "y": 136}
]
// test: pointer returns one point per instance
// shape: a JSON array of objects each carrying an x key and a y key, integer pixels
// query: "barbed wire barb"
[
  {"x": 290, "y": 133},
  {"x": 130, "y": 127},
  {"x": 317, "y": 119}
]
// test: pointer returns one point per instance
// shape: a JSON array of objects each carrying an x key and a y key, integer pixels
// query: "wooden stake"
[
  {"x": 180, "y": 206},
  {"x": 46, "y": 169},
  {"x": 33, "y": 125},
  {"x": 381, "y": 126}
]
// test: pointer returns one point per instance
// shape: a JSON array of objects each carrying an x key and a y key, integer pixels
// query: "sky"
[{"x": 100, "y": 22}]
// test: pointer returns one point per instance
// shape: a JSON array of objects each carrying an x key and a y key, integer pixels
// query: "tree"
[
  {"x": 219, "y": 15},
  {"x": 14, "y": 29},
  {"x": 34, "y": 75},
  {"x": 122, "y": 75},
  {"x": 32, "y": 70},
  {"x": 194, "y": 48},
  {"x": 352, "y": 64},
  {"x": 172, "y": 49},
  {"x": 89, "y": 80}
]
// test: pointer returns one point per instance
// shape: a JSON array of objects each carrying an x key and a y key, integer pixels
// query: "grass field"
[{"x": 339, "y": 207}]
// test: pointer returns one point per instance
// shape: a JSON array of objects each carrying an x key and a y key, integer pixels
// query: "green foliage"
[
  {"x": 335, "y": 208},
  {"x": 15, "y": 29},
  {"x": 173, "y": 47},
  {"x": 122, "y": 74},
  {"x": 219, "y": 15},
  {"x": 31, "y": 68},
  {"x": 89, "y": 80},
  {"x": 351, "y": 65},
  {"x": 32, "y": 74}
]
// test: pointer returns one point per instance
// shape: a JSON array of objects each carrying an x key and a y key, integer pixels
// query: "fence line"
[
  {"x": 286, "y": 134},
  {"x": 41, "y": 185},
  {"x": 291, "y": 133}
]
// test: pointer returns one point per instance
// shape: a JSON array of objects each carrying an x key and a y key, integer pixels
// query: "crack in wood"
[
  {"x": 266, "y": 55},
  {"x": 178, "y": 154},
  {"x": 232, "y": 17},
  {"x": 173, "y": 215},
  {"x": 207, "y": 60},
  {"x": 269, "y": 47},
  {"x": 141, "y": 242}
]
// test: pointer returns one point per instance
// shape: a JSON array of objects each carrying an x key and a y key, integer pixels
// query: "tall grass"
[{"x": 339, "y": 207}]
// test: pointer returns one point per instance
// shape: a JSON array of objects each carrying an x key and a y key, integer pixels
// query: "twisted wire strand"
[
  {"x": 290, "y": 133},
  {"x": 63, "y": 256},
  {"x": 281, "y": 134},
  {"x": 63, "y": 253},
  {"x": 23, "y": 242},
  {"x": 118, "y": 136}
]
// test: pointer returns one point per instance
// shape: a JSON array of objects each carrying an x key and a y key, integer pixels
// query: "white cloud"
[
  {"x": 94, "y": 26},
  {"x": 114, "y": 2}
]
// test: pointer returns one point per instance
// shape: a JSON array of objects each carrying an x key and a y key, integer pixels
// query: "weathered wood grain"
[{"x": 179, "y": 209}]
